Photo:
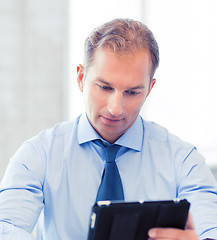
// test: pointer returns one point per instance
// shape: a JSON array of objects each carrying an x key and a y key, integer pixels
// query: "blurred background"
[{"x": 41, "y": 43}]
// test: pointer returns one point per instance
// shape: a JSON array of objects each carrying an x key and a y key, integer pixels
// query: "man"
[{"x": 60, "y": 170}]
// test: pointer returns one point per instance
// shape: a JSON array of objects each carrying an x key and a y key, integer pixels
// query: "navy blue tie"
[{"x": 111, "y": 186}]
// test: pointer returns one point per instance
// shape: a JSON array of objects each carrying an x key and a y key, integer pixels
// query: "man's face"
[{"x": 115, "y": 88}]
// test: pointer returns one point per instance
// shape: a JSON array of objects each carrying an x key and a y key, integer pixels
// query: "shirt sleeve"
[
  {"x": 197, "y": 184},
  {"x": 10, "y": 232},
  {"x": 21, "y": 195}
]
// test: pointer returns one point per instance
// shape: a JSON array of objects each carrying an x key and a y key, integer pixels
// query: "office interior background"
[{"x": 41, "y": 43}]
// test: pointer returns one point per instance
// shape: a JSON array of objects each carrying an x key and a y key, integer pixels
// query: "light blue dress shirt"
[{"x": 60, "y": 171}]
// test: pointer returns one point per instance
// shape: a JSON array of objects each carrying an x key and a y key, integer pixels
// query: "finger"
[
  {"x": 158, "y": 239},
  {"x": 189, "y": 224},
  {"x": 166, "y": 233},
  {"x": 171, "y": 233}
]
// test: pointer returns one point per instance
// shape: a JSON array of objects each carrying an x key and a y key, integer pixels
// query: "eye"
[
  {"x": 105, "y": 88},
  {"x": 132, "y": 93}
]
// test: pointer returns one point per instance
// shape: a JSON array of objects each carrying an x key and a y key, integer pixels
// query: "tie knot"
[{"x": 110, "y": 150}]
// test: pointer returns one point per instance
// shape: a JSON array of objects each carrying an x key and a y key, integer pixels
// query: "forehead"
[
  {"x": 106, "y": 59},
  {"x": 126, "y": 70}
]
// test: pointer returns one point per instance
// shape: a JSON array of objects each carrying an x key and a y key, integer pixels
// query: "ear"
[
  {"x": 80, "y": 76},
  {"x": 153, "y": 81}
]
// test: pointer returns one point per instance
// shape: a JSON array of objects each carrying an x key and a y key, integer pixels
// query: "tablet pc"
[{"x": 132, "y": 220}]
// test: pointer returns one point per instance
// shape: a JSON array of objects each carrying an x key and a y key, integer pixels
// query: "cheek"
[
  {"x": 93, "y": 100},
  {"x": 134, "y": 106}
]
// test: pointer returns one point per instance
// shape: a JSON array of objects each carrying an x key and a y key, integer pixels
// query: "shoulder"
[
  {"x": 169, "y": 149},
  {"x": 160, "y": 136},
  {"x": 60, "y": 133},
  {"x": 61, "y": 129},
  {"x": 48, "y": 145}
]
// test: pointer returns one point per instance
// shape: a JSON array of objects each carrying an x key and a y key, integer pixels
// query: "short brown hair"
[{"x": 122, "y": 36}]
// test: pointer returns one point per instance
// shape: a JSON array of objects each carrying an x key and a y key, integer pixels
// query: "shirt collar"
[
  {"x": 132, "y": 138},
  {"x": 86, "y": 132}
]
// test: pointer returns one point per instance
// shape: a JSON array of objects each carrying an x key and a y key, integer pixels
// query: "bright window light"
[{"x": 184, "y": 99}]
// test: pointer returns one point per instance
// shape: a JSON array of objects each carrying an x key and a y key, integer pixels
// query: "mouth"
[{"x": 112, "y": 120}]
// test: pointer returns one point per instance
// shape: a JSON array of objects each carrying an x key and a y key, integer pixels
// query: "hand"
[{"x": 173, "y": 233}]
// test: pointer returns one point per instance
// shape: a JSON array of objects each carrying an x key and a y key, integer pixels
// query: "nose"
[{"x": 115, "y": 105}]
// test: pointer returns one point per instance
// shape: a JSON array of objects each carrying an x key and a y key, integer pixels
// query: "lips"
[{"x": 112, "y": 120}]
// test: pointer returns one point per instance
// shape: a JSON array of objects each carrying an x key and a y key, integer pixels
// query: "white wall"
[{"x": 33, "y": 70}]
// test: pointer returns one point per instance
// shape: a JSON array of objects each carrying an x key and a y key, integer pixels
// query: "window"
[{"x": 184, "y": 99}]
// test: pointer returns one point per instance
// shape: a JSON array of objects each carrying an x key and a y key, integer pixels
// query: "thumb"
[{"x": 189, "y": 224}]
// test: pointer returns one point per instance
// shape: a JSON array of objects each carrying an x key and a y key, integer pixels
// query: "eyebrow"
[{"x": 133, "y": 88}]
